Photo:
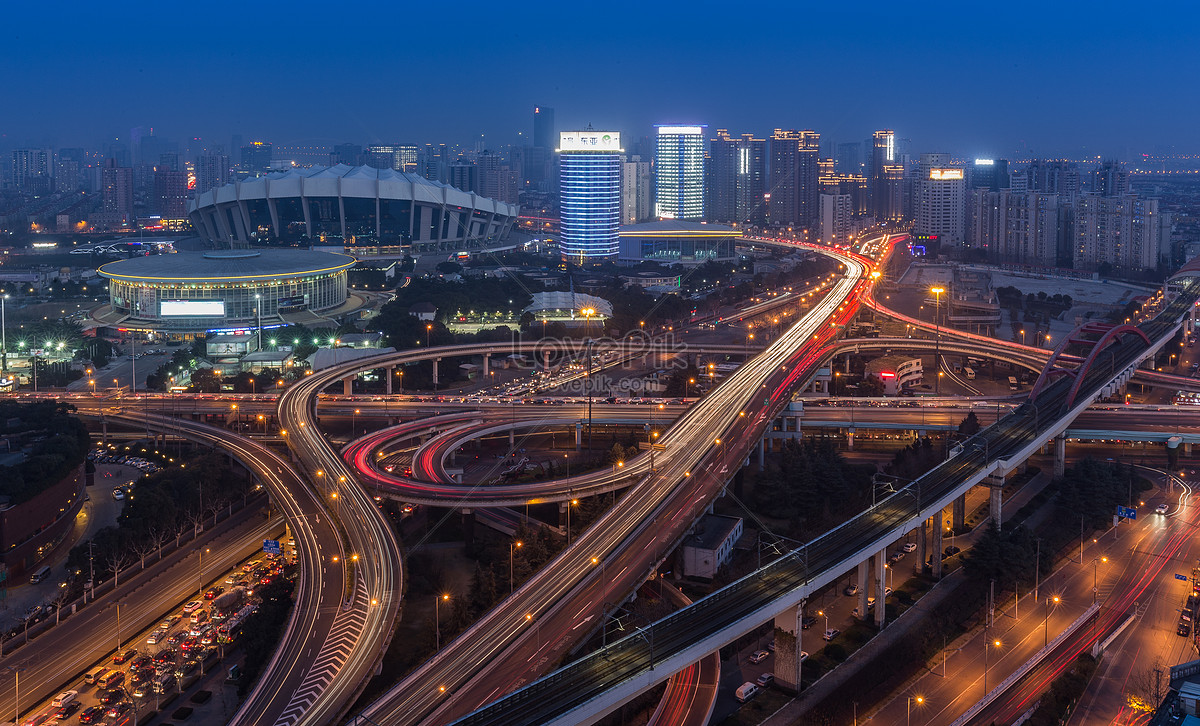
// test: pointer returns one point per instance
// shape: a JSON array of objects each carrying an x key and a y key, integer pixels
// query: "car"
[
  {"x": 952, "y": 550},
  {"x": 765, "y": 680},
  {"x": 64, "y": 698},
  {"x": 108, "y": 698},
  {"x": 851, "y": 590},
  {"x": 887, "y": 591},
  {"x": 909, "y": 547},
  {"x": 118, "y": 709},
  {"x": 771, "y": 645},
  {"x": 803, "y": 656},
  {"x": 831, "y": 634},
  {"x": 192, "y": 606},
  {"x": 124, "y": 655},
  {"x": 140, "y": 662},
  {"x": 174, "y": 640},
  {"x": 896, "y": 557},
  {"x": 212, "y": 592},
  {"x": 807, "y": 622},
  {"x": 118, "y": 494},
  {"x": 165, "y": 656},
  {"x": 759, "y": 656},
  {"x": 1161, "y": 509},
  {"x": 172, "y": 620},
  {"x": 64, "y": 712},
  {"x": 91, "y": 714},
  {"x": 156, "y": 636},
  {"x": 1184, "y": 628}
]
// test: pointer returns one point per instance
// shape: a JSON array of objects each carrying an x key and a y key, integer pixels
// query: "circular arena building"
[
  {"x": 198, "y": 292},
  {"x": 361, "y": 207}
]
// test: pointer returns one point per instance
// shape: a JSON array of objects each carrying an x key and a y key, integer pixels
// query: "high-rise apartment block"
[
  {"x": 589, "y": 164},
  {"x": 849, "y": 158},
  {"x": 465, "y": 177},
  {"x": 435, "y": 163},
  {"x": 737, "y": 179},
  {"x": 31, "y": 170},
  {"x": 398, "y": 157},
  {"x": 1050, "y": 177},
  {"x": 212, "y": 170},
  {"x": 117, "y": 190},
  {"x": 940, "y": 204},
  {"x": 1110, "y": 179},
  {"x": 497, "y": 178},
  {"x": 1122, "y": 232},
  {"x": 348, "y": 154},
  {"x": 837, "y": 219},
  {"x": 795, "y": 180},
  {"x": 679, "y": 172},
  {"x": 637, "y": 189},
  {"x": 1018, "y": 228},
  {"x": 171, "y": 193}
]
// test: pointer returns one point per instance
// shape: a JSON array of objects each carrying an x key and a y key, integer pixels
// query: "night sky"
[{"x": 973, "y": 78}]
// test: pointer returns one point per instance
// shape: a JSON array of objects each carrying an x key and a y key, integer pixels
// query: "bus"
[
  {"x": 1012, "y": 383},
  {"x": 970, "y": 373}
]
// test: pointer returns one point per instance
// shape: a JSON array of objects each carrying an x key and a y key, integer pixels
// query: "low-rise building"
[
  {"x": 710, "y": 545},
  {"x": 897, "y": 372}
]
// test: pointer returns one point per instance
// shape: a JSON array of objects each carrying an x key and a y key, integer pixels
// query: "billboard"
[
  {"x": 945, "y": 174},
  {"x": 192, "y": 308},
  {"x": 589, "y": 141}
]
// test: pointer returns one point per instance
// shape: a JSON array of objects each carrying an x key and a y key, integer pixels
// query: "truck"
[
  {"x": 746, "y": 691},
  {"x": 229, "y": 602},
  {"x": 1012, "y": 383}
]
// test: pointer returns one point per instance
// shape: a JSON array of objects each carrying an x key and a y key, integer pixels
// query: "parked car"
[
  {"x": 831, "y": 634},
  {"x": 909, "y": 547},
  {"x": 952, "y": 550},
  {"x": 759, "y": 656},
  {"x": 765, "y": 680},
  {"x": 807, "y": 622},
  {"x": 851, "y": 590}
]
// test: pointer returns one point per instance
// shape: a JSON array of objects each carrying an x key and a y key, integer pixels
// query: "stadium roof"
[{"x": 227, "y": 265}]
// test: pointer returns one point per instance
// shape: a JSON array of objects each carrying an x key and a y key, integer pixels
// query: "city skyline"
[{"x": 943, "y": 93}]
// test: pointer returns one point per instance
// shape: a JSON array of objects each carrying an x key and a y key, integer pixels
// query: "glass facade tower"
[
  {"x": 679, "y": 172},
  {"x": 590, "y": 195}
]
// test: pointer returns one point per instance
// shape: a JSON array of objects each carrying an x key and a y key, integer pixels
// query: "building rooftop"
[
  {"x": 227, "y": 265},
  {"x": 713, "y": 530}
]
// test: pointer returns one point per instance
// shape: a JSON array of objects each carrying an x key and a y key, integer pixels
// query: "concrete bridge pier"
[
  {"x": 348, "y": 386},
  {"x": 788, "y": 648},
  {"x": 487, "y": 361},
  {"x": 864, "y": 572},
  {"x": 389, "y": 373},
  {"x": 923, "y": 545},
  {"x": 1060, "y": 456},
  {"x": 996, "y": 502},
  {"x": 939, "y": 525},
  {"x": 435, "y": 373},
  {"x": 850, "y": 439},
  {"x": 880, "y": 585},
  {"x": 578, "y": 435},
  {"x": 959, "y": 514}
]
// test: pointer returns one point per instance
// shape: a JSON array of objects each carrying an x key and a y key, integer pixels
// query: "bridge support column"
[
  {"x": 578, "y": 436},
  {"x": 511, "y": 440},
  {"x": 348, "y": 386},
  {"x": 923, "y": 545},
  {"x": 389, "y": 373},
  {"x": 788, "y": 648},
  {"x": 864, "y": 580},
  {"x": 762, "y": 454},
  {"x": 1060, "y": 456},
  {"x": 880, "y": 584},
  {"x": 435, "y": 373},
  {"x": 468, "y": 523},
  {"x": 1187, "y": 448},
  {"x": 850, "y": 439},
  {"x": 996, "y": 502},
  {"x": 959, "y": 516},
  {"x": 939, "y": 524},
  {"x": 486, "y": 362}
]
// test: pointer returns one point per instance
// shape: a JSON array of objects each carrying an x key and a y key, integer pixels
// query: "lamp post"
[
  {"x": 437, "y": 621},
  {"x": 511, "y": 547},
  {"x": 1095, "y": 571},
  {"x": 986, "y": 644},
  {"x": 3, "y": 341},
  {"x": 920, "y": 700},
  {"x": 570, "y": 504},
  {"x": 937, "y": 335},
  {"x": 1046, "y": 622},
  {"x": 258, "y": 312},
  {"x": 200, "y": 589},
  {"x": 1022, "y": 337}
]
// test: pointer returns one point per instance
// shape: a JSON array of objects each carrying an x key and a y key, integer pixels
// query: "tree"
[{"x": 969, "y": 425}]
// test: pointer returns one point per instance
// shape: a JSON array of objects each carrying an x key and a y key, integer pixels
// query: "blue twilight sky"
[{"x": 1005, "y": 78}]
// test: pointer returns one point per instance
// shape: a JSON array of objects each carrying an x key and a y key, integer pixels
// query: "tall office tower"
[
  {"x": 256, "y": 158},
  {"x": 212, "y": 170},
  {"x": 532, "y": 165},
  {"x": 849, "y": 158},
  {"x": 31, "y": 170},
  {"x": 435, "y": 163},
  {"x": 1123, "y": 233},
  {"x": 66, "y": 176},
  {"x": 497, "y": 178},
  {"x": 679, "y": 172},
  {"x": 795, "y": 184},
  {"x": 543, "y": 127},
  {"x": 737, "y": 179},
  {"x": 465, "y": 177},
  {"x": 1053, "y": 177},
  {"x": 170, "y": 193},
  {"x": 1016, "y": 228},
  {"x": 398, "y": 157},
  {"x": 589, "y": 195},
  {"x": 347, "y": 154},
  {"x": 1110, "y": 179},
  {"x": 940, "y": 205},
  {"x": 837, "y": 214},
  {"x": 886, "y": 191},
  {"x": 989, "y": 174},
  {"x": 636, "y": 191},
  {"x": 235, "y": 149},
  {"x": 117, "y": 189}
]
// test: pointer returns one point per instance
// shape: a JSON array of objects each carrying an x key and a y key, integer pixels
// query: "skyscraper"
[
  {"x": 990, "y": 174},
  {"x": 679, "y": 172},
  {"x": 497, "y": 178},
  {"x": 795, "y": 180},
  {"x": 398, "y": 157},
  {"x": 589, "y": 194},
  {"x": 117, "y": 189},
  {"x": 849, "y": 158},
  {"x": 1122, "y": 232},
  {"x": 1110, "y": 179},
  {"x": 636, "y": 191},
  {"x": 886, "y": 184},
  {"x": 212, "y": 170},
  {"x": 738, "y": 179},
  {"x": 1023, "y": 228},
  {"x": 941, "y": 200},
  {"x": 31, "y": 170},
  {"x": 256, "y": 157},
  {"x": 170, "y": 193},
  {"x": 543, "y": 127}
]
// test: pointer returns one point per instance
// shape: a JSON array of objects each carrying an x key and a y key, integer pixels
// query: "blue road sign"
[
  {"x": 1181, "y": 577},
  {"x": 1126, "y": 512},
  {"x": 271, "y": 546}
]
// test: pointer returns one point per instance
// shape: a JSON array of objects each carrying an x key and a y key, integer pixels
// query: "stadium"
[
  {"x": 360, "y": 207},
  {"x": 227, "y": 290}
]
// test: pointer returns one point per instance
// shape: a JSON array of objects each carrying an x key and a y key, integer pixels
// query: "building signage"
[
  {"x": 192, "y": 308},
  {"x": 945, "y": 174},
  {"x": 589, "y": 141}
]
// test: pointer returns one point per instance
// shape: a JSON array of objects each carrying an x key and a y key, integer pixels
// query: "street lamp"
[
  {"x": 428, "y": 330},
  {"x": 1022, "y": 337},
  {"x": 1095, "y": 569},
  {"x": 511, "y": 547},
  {"x": 201, "y": 589},
  {"x": 919, "y": 699},
  {"x": 437, "y": 621},
  {"x": 986, "y": 644},
  {"x": 1046, "y": 622},
  {"x": 937, "y": 335}
]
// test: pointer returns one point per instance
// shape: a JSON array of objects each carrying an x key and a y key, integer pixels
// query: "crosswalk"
[{"x": 346, "y": 630}]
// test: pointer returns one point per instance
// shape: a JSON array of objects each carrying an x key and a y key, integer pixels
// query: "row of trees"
[
  {"x": 812, "y": 482},
  {"x": 59, "y": 445}
]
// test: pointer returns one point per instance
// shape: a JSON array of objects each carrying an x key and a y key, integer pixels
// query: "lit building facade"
[
  {"x": 837, "y": 218},
  {"x": 738, "y": 179},
  {"x": 1125, "y": 232},
  {"x": 636, "y": 191},
  {"x": 887, "y": 178},
  {"x": 679, "y": 242},
  {"x": 795, "y": 180},
  {"x": 1016, "y": 228},
  {"x": 590, "y": 164},
  {"x": 679, "y": 172},
  {"x": 941, "y": 200}
]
